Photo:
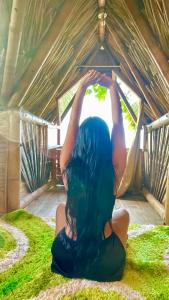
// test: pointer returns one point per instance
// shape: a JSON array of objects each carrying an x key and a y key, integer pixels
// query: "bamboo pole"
[
  {"x": 153, "y": 201},
  {"x": 127, "y": 104},
  {"x": 67, "y": 108},
  {"x": 135, "y": 73},
  {"x": 167, "y": 201},
  {"x": 147, "y": 35},
  {"x": 42, "y": 53},
  {"x": 14, "y": 38},
  {"x": 163, "y": 121}
]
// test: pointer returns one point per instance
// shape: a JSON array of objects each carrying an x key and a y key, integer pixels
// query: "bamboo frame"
[
  {"x": 14, "y": 38},
  {"x": 42, "y": 53},
  {"x": 147, "y": 35},
  {"x": 156, "y": 164}
]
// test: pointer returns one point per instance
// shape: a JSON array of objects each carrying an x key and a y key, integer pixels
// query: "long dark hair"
[{"x": 90, "y": 181}]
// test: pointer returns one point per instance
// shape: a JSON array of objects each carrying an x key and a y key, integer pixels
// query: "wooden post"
[
  {"x": 14, "y": 37},
  {"x": 135, "y": 73},
  {"x": 58, "y": 122},
  {"x": 127, "y": 105},
  {"x": 146, "y": 33},
  {"x": 167, "y": 201},
  {"x": 3, "y": 160},
  {"x": 13, "y": 181},
  {"x": 42, "y": 53}
]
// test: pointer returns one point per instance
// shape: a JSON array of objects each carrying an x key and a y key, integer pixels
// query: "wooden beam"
[
  {"x": 127, "y": 104},
  {"x": 67, "y": 108},
  {"x": 101, "y": 3},
  {"x": 146, "y": 33},
  {"x": 75, "y": 58},
  {"x": 14, "y": 38},
  {"x": 135, "y": 73},
  {"x": 102, "y": 17},
  {"x": 154, "y": 202},
  {"x": 43, "y": 52},
  {"x": 163, "y": 121}
]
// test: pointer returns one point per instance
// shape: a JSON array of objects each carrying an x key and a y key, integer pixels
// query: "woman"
[{"x": 90, "y": 242}]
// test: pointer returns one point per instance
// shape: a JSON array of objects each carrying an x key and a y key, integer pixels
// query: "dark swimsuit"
[{"x": 107, "y": 266}]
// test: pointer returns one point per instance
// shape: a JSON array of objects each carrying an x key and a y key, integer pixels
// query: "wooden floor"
[{"x": 140, "y": 210}]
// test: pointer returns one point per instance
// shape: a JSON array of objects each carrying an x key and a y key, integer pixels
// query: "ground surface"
[
  {"x": 141, "y": 212},
  {"x": 146, "y": 274}
]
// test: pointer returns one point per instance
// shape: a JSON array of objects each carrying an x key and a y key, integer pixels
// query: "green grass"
[
  {"x": 32, "y": 274},
  {"x": 144, "y": 272},
  {"x": 93, "y": 294},
  {"x": 7, "y": 242},
  {"x": 134, "y": 226}
]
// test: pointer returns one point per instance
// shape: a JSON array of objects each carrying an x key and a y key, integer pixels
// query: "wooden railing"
[
  {"x": 156, "y": 165},
  {"x": 54, "y": 156}
]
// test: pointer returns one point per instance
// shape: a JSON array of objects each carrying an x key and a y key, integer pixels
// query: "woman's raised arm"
[
  {"x": 119, "y": 154},
  {"x": 118, "y": 140},
  {"x": 68, "y": 145}
]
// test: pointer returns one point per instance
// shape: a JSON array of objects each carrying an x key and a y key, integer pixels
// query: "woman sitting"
[{"x": 90, "y": 242}]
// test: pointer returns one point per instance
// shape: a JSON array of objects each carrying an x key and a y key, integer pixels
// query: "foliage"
[{"x": 100, "y": 92}]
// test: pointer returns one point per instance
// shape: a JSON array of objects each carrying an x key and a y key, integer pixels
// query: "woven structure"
[{"x": 43, "y": 42}]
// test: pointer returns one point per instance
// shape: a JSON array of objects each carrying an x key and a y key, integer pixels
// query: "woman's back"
[{"x": 104, "y": 263}]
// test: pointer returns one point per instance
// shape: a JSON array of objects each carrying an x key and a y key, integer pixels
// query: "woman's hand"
[
  {"x": 91, "y": 77},
  {"x": 106, "y": 80}
]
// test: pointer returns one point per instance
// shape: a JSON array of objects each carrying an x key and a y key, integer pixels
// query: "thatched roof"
[{"x": 42, "y": 43}]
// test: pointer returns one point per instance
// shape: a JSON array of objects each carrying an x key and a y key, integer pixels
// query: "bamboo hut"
[{"x": 45, "y": 48}]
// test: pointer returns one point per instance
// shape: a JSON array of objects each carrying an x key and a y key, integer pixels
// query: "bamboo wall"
[
  {"x": 156, "y": 165},
  {"x": 12, "y": 188}
]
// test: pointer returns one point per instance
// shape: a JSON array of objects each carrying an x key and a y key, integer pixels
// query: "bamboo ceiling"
[{"x": 43, "y": 41}]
